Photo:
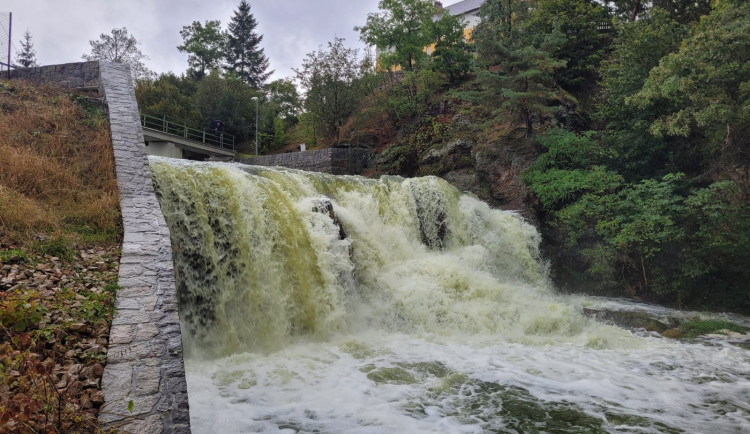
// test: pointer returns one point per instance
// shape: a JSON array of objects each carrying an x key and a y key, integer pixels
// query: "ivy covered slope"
[{"x": 60, "y": 233}]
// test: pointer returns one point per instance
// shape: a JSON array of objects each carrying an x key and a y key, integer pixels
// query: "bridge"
[{"x": 167, "y": 138}]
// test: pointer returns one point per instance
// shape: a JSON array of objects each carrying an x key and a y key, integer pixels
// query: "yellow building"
[{"x": 467, "y": 10}]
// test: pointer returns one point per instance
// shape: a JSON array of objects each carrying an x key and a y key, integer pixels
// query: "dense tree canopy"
[{"x": 401, "y": 31}]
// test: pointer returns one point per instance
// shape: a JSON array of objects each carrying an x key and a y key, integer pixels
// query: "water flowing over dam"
[{"x": 320, "y": 303}]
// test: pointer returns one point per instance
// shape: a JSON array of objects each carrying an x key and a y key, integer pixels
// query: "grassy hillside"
[{"x": 60, "y": 233}]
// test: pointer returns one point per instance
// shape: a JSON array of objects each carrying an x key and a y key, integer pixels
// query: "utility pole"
[{"x": 10, "y": 41}]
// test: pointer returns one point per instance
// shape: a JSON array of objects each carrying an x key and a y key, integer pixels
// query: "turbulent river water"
[{"x": 319, "y": 303}]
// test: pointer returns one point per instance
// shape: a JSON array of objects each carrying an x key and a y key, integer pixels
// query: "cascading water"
[{"x": 316, "y": 303}]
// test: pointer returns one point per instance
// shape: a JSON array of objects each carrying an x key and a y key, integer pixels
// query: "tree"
[
  {"x": 702, "y": 91},
  {"x": 119, "y": 47},
  {"x": 171, "y": 96},
  {"x": 400, "y": 32},
  {"x": 281, "y": 109},
  {"x": 518, "y": 74},
  {"x": 27, "y": 56},
  {"x": 583, "y": 47},
  {"x": 228, "y": 99},
  {"x": 451, "y": 55},
  {"x": 682, "y": 11},
  {"x": 331, "y": 80},
  {"x": 243, "y": 54},
  {"x": 204, "y": 45},
  {"x": 638, "y": 48},
  {"x": 495, "y": 23}
]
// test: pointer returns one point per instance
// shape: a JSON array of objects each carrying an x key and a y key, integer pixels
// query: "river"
[{"x": 340, "y": 304}]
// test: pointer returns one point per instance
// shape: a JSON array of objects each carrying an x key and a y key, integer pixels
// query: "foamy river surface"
[{"x": 323, "y": 304}]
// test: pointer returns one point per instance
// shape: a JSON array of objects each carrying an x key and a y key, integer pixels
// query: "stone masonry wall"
[
  {"x": 144, "y": 362},
  {"x": 71, "y": 75},
  {"x": 337, "y": 161}
]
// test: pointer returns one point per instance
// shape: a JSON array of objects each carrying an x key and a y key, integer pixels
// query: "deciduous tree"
[
  {"x": 400, "y": 32},
  {"x": 331, "y": 80},
  {"x": 120, "y": 47},
  {"x": 204, "y": 45},
  {"x": 451, "y": 55},
  {"x": 702, "y": 91}
]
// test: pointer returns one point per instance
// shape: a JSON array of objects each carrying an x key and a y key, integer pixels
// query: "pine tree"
[
  {"x": 243, "y": 55},
  {"x": 517, "y": 70},
  {"x": 27, "y": 57}
]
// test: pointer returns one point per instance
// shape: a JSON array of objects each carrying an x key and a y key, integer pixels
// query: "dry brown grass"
[{"x": 56, "y": 166}]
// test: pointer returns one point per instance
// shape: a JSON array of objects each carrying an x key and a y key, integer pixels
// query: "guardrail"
[{"x": 164, "y": 125}]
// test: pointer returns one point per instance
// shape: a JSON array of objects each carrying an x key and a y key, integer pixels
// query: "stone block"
[
  {"x": 147, "y": 380},
  {"x": 122, "y": 334}
]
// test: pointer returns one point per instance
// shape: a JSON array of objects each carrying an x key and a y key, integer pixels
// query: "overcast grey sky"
[{"x": 61, "y": 29}]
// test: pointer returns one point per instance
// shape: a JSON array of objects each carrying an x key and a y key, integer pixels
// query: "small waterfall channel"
[{"x": 319, "y": 303}]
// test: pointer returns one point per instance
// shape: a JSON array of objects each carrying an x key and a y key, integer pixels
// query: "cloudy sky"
[{"x": 61, "y": 29}]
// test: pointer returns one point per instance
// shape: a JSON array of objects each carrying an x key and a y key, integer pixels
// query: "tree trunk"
[{"x": 636, "y": 9}]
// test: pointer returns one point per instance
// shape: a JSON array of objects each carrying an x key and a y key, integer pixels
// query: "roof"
[{"x": 464, "y": 7}]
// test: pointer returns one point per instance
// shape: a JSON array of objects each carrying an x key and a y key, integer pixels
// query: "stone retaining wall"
[
  {"x": 337, "y": 161},
  {"x": 71, "y": 75},
  {"x": 144, "y": 362}
]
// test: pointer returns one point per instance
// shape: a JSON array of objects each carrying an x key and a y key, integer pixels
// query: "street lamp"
[{"x": 256, "y": 124}]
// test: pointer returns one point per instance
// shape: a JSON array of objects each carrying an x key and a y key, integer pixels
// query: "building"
[{"x": 467, "y": 9}]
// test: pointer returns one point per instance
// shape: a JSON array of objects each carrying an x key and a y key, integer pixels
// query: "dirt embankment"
[{"x": 60, "y": 235}]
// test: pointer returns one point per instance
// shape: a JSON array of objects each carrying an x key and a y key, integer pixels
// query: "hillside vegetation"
[
  {"x": 621, "y": 128},
  {"x": 628, "y": 147},
  {"x": 60, "y": 233}
]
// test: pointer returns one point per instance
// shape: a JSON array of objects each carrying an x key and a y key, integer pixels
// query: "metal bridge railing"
[{"x": 164, "y": 125}]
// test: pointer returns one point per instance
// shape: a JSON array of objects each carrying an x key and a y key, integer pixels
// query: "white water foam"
[{"x": 431, "y": 314}]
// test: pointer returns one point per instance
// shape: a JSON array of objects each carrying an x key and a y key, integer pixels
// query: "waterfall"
[
  {"x": 264, "y": 255},
  {"x": 319, "y": 303}
]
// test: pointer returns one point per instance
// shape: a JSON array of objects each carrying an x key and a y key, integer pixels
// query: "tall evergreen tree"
[
  {"x": 243, "y": 55},
  {"x": 27, "y": 57}
]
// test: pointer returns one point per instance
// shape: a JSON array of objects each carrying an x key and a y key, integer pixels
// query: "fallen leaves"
[{"x": 55, "y": 316}]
